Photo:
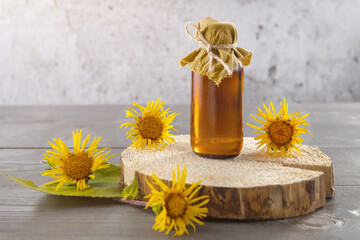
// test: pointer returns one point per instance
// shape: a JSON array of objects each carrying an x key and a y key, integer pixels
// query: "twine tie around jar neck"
[{"x": 205, "y": 44}]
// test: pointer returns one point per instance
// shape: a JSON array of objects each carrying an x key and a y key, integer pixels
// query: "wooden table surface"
[{"x": 28, "y": 214}]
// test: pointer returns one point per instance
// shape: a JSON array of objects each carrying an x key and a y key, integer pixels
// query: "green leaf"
[
  {"x": 20, "y": 181},
  {"x": 131, "y": 191},
  {"x": 105, "y": 184},
  {"x": 157, "y": 209}
]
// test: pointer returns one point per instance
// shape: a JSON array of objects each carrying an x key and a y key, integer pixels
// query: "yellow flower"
[
  {"x": 280, "y": 130},
  {"x": 75, "y": 167},
  {"x": 179, "y": 205},
  {"x": 152, "y": 128}
]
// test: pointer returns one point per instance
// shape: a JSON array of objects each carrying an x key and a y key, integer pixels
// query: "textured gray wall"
[{"x": 113, "y": 51}]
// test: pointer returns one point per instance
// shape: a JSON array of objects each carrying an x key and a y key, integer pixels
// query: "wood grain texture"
[{"x": 27, "y": 214}]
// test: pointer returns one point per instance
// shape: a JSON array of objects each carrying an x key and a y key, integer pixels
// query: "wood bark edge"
[
  {"x": 258, "y": 203},
  {"x": 328, "y": 175}
]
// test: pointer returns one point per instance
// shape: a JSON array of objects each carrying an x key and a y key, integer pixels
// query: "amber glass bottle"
[{"x": 217, "y": 115}]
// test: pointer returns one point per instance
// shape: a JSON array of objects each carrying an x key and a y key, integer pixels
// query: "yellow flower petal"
[
  {"x": 78, "y": 166},
  {"x": 280, "y": 131},
  {"x": 152, "y": 128},
  {"x": 178, "y": 210}
]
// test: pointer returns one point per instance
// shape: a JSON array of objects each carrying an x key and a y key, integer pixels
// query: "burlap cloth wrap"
[{"x": 217, "y": 40}]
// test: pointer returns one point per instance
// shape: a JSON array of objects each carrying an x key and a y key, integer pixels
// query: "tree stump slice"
[{"x": 252, "y": 185}]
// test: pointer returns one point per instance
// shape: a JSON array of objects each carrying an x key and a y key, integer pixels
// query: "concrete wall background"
[{"x": 114, "y": 52}]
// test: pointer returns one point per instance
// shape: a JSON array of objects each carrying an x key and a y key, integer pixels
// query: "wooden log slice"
[{"x": 249, "y": 186}]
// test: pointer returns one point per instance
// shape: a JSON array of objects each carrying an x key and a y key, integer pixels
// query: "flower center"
[
  {"x": 280, "y": 132},
  {"x": 78, "y": 166},
  {"x": 175, "y": 205},
  {"x": 150, "y": 127}
]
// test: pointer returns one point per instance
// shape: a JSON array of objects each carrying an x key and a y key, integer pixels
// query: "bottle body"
[{"x": 217, "y": 115}]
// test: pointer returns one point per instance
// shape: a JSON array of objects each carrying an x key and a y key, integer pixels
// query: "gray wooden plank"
[
  {"x": 346, "y": 165},
  {"x": 27, "y": 214},
  {"x": 333, "y": 125},
  {"x": 35, "y": 126}
]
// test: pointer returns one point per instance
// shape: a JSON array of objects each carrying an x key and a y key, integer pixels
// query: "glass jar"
[{"x": 217, "y": 115}]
